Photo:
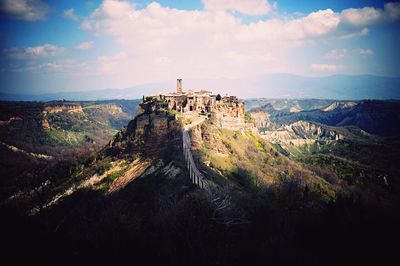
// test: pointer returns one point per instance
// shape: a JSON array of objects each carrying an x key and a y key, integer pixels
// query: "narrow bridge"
[{"x": 195, "y": 175}]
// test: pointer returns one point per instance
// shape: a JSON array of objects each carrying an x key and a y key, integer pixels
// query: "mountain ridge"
[{"x": 374, "y": 116}]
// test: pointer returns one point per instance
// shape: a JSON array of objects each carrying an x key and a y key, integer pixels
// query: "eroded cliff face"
[
  {"x": 149, "y": 134},
  {"x": 229, "y": 115},
  {"x": 58, "y": 108},
  {"x": 303, "y": 132},
  {"x": 112, "y": 109},
  {"x": 67, "y": 107},
  {"x": 261, "y": 120}
]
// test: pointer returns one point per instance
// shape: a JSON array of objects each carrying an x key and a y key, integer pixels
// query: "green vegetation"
[
  {"x": 104, "y": 167},
  {"x": 248, "y": 118},
  {"x": 154, "y": 101},
  {"x": 113, "y": 176},
  {"x": 268, "y": 207},
  {"x": 252, "y": 163},
  {"x": 93, "y": 127},
  {"x": 367, "y": 165},
  {"x": 171, "y": 113}
]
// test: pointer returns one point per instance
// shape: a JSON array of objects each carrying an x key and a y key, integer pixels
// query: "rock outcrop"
[
  {"x": 45, "y": 124},
  {"x": 10, "y": 120},
  {"x": 339, "y": 105},
  {"x": 229, "y": 115},
  {"x": 302, "y": 132},
  {"x": 148, "y": 133},
  {"x": 62, "y": 107}
]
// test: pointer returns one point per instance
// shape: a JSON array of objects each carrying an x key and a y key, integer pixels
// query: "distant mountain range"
[
  {"x": 89, "y": 95},
  {"x": 340, "y": 87},
  {"x": 373, "y": 116}
]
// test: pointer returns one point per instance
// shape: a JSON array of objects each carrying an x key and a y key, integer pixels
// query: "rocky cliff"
[
  {"x": 340, "y": 105},
  {"x": 63, "y": 107},
  {"x": 375, "y": 117},
  {"x": 302, "y": 133},
  {"x": 148, "y": 133},
  {"x": 229, "y": 115}
]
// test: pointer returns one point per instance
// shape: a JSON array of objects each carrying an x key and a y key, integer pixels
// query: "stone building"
[
  {"x": 202, "y": 101},
  {"x": 179, "y": 88},
  {"x": 187, "y": 101}
]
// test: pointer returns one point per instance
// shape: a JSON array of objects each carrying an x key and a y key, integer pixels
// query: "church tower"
[{"x": 179, "y": 86}]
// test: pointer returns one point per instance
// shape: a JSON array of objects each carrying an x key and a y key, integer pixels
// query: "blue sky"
[{"x": 50, "y": 46}]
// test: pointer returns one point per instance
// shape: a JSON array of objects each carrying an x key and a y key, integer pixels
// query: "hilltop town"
[{"x": 224, "y": 111}]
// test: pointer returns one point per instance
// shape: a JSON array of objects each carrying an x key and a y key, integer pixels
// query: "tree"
[{"x": 219, "y": 97}]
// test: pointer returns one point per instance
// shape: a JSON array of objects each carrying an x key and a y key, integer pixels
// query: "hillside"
[
  {"x": 138, "y": 183},
  {"x": 288, "y": 105},
  {"x": 375, "y": 117},
  {"x": 42, "y": 141},
  {"x": 232, "y": 157},
  {"x": 339, "y": 142},
  {"x": 133, "y": 199},
  {"x": 32, "y": 125}
]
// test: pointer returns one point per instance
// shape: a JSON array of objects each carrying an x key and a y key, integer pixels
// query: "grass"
[
  {"x": 111, "y": 177},
  {"x": 253, "y": 163},
  {"x": 66, "y": 138},
  {"x": 103, "y": 168}
]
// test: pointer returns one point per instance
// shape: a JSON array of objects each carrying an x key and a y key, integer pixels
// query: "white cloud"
[
  {"x": 241, "y": 58},
  {"x": 361, "y": 17},
  {"x": 45, "y": 50},
  {"x": 70, "y": 66},
  {"x": 156, "y": 43},
  {"x": 178, "y": 42},
  {"x": 392, "y": 10},
  {"x": 13, "y": 52},
  {"x": 111, "y": 64},
  {"x": 289, "y": 32},
  {"x": 336, "y": 54},
  {"x": 365, "y": 52},
  {"x": 327, "y": 68},
  {"x": 162, "y": 61},
  {"x": 354, "y": 34},
  {"x": 70, "y": 14},
  {"x": 159, "y": 43},
  {"x": 369, "y": 15},
  {"x": 248, "y": 7},
  {"x": 29, "y": 10},
  {"x": 84, "y": 45}
]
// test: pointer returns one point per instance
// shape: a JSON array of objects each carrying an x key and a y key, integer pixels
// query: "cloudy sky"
[{"x": 49, "y": 46}]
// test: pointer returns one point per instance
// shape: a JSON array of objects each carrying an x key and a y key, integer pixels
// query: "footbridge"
[{"x": 195, "y": 175}]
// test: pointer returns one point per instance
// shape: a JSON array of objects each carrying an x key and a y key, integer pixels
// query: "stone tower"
[{"x": 179, "y": 86}]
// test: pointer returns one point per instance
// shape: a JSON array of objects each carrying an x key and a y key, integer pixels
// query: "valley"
[
  {"x": 199, "y": 132},
  {"x": 40, "y": 142},
  {"x": 354, "y": 143},
  {"x": 280, "y": 166}
]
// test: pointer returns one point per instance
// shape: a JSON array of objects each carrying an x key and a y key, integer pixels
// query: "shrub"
[
  {"x": 111, "y": 177},
  {"x": 248, "y": 118},
  {"x": 244, "y": 177}
]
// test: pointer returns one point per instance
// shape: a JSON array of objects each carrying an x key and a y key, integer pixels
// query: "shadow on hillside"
[{"x": 156, "y": 221}]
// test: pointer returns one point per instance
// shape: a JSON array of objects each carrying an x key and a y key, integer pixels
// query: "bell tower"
[{"x": 179, "y": 86}]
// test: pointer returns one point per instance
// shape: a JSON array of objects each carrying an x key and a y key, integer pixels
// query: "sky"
[{"x": 53, "y": 45}]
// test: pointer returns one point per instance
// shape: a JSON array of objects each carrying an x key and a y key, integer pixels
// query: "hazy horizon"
[{"x": 272, "y": 86}]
